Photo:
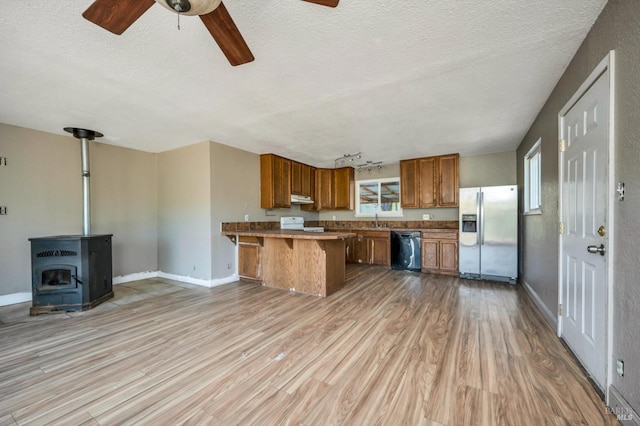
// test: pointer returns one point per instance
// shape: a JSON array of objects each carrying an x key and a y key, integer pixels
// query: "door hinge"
[
  {"x": 560, "y": 309},
  {"x": 561, "y": 228},
  {"x": 563, "y": 145}
]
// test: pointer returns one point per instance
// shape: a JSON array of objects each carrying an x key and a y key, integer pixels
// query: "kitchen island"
[{"x": 305, "y": 262}]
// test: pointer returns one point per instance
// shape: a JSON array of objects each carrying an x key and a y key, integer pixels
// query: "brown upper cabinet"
[
  {"x": 324, "y": 189},
  {"x": 448, "y": 185},
  {"x": 429, "y": 182},
  {"x": 302, "y": 179},
  {"x": 334, "y": 189},
  {"x": 275, "y": 181},
  {"x": 331, "y": 189},
  {"x": 343, "y": 188}
]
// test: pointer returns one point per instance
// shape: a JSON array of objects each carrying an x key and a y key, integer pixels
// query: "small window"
[
  {"x": 378, "y": 197},
  {"x": 532, "y": 180}
]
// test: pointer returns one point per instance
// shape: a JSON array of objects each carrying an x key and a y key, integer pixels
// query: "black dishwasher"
[{"x": 405, "y": 251}]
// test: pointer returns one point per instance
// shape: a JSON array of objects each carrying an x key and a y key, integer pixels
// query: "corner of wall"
[{"x": 546, "y": 312}]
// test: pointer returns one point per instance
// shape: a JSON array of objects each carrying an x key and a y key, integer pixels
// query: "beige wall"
[
  {"x": 184, "y": 211},
  {"x": 617, "y": 28},
  {"x": 235, "y": 192},
  {"x": 125, "y": 203},
  {"x": 488, "y": 170},
  {"x": 42, "y": 189},
  {"x": 479, "y": 170}
]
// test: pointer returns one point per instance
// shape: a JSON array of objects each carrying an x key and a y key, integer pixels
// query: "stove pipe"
[{"x": 85, "y": 136}]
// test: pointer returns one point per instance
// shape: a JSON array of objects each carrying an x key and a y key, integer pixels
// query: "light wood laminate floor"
[{"x": 391, "y": 347}]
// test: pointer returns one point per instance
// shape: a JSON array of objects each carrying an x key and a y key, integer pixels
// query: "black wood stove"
[{"x": 72, "y": 273}]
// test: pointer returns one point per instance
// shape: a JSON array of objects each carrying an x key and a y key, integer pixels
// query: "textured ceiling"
[{"x": 393, "y": 79}]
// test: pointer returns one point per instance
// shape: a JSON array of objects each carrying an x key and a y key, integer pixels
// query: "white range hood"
[{"x": 301, "y": 199}]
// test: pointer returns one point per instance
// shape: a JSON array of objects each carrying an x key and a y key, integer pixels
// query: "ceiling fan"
[{"x": 118, "y": 15}]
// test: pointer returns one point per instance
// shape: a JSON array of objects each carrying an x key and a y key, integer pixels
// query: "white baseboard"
[
  {"x": 226, "y": 280},
  {"x": 620, "y": 408},
  {"x": 199, "y": 281},
  {"x": 14, "y": 298},
  {"x": 135, "y": 277},
  {"x": 551, "y": 318},
  {"x": 181, "y": 278}
]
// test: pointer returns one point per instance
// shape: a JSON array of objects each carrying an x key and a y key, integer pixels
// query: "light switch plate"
[
  {"x": 426, "y": 216},
  {"x": 3, "y": 161},
  {"x": 3, "y": 209}
]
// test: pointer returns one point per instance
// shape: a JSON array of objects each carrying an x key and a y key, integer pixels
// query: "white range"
[{"x": 296, "y": 223}]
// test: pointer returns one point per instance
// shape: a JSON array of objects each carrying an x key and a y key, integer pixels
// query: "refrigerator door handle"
[
  {"x": 481, "y": 218},
  {"x": 478, "y": 228}
]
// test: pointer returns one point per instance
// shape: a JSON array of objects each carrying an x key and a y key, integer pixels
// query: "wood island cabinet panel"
[
  {"x": 249, "y": 258},
  {"x": 343, "y": 188},
  {"x": 275, "y": 182}
]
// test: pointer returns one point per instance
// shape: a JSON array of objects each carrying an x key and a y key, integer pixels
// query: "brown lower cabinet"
[
  {"x": 250, "y": 258},
  {"x": 369, "y": 248},
  {"x": 440, "y": 251}
]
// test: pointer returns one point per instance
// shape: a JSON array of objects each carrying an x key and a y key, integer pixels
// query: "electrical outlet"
[
  {"x": 3, "y": 209},
  {"x": 194, "y": 267},
  {"x": 246, "y": 218},
  {"x": 3, "y": 161},
  {"x": 426, "y": 216},
  {"x": 620, "y": 367},
  {"x": 228, "y": 266}
]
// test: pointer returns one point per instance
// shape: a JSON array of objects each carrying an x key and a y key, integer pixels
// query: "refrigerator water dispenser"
[{"x": 469, "y": 223}]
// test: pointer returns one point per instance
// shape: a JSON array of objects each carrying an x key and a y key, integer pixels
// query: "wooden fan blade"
[
  {"x": 226, "y": 34},
  {"x": 330, "y": 3},
  {"x": 116, "y": 15}
]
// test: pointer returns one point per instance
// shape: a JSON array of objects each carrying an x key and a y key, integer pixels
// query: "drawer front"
[
  {"x": 375, "y": 234},
  {"x": 440, "y": 234}
]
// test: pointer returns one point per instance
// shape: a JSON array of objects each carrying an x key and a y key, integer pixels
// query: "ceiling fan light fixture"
[{"x": 190, "y": 7}]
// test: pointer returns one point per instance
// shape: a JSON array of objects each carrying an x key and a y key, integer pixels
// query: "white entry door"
[{"x": 585, "y": 168}]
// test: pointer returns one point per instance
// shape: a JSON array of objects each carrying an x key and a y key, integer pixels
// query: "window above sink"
[{"x": 378, "y": 197}]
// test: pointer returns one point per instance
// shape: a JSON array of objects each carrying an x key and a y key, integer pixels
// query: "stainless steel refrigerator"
[{"x": 489, "y": 233}]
